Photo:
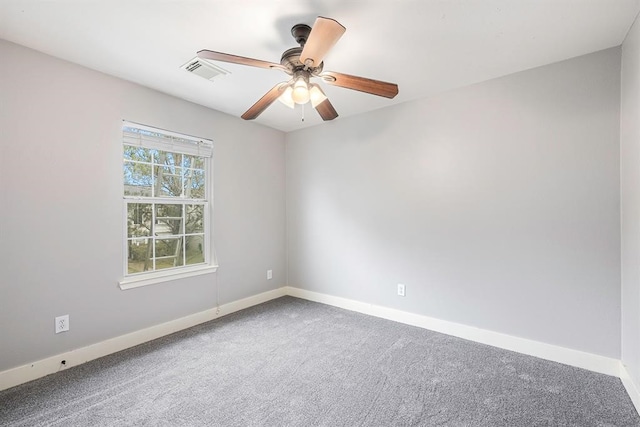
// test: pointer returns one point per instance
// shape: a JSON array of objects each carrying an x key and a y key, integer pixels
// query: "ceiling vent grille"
[{"x": 204, "y": 69}]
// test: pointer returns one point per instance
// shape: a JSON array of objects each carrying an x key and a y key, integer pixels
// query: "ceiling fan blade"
[
  {"x": 326, "y": 110},
  {"x": 234, "y": 59},
  {"x": 374, "y": 87},
  {"x": 262, "y": 104},
  {"x": 325, "y": 33}
]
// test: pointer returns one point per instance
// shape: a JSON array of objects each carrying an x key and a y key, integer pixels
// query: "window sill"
[{"x": 153, "y": 278}]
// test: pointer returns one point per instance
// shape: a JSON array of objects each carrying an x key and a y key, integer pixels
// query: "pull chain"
[{"x": 302, "y": 112}]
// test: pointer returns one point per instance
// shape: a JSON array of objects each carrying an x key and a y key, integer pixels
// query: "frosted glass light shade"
[
  {"x": 300, "y": 93},
  {"x": 287, "y": 97},
  {"x": 317, "y": 95}
]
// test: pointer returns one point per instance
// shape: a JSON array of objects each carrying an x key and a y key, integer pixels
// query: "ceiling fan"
[{"x": 303, "y": 63}]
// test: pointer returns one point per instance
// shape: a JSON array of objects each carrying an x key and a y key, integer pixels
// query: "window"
[{"x": 166, "y": 204}]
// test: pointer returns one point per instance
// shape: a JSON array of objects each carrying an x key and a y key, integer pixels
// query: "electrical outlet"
[
  {"x": 62, "y": 323},
  {"x": 269, "y": 274},
  {"x": 401, "y": 289}
]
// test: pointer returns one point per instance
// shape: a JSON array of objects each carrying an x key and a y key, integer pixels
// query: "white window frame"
[{"x": 177, "y": 143}]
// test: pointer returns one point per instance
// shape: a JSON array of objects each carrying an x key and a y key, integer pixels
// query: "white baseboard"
[
  {"x": 50, "y": 365},
  {"x": 592, "y": 362},
  {"x": 580, "y": 359},
  {"x": 633, "y": 388}
]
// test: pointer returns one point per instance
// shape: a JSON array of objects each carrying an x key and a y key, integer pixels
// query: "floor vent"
[{"x": 204, "y": 69}]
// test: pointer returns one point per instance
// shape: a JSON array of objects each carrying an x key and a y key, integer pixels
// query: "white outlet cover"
[
  {"x": 62, "y": 323},
  {"x": 269, "y": 274},
  {"x": 401, "y": 289}
]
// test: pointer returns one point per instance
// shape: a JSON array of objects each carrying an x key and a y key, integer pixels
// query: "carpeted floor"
[{"x": 292, "y": 362}]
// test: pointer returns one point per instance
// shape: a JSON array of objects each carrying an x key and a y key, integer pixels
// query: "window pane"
[
  {"x": 168, "y": 158},
  {"x": 138, "y": 219},
  {"x": 187, "y": 161},
  {"x": 197, "y": 184},
  {"x": 195, "y": 219},
  {"x": 193, "y": 162},
  {"x": 168, "y": 181},
  {"x": 168, "y": 220},
  {"x": 168, "y": 253},
  {"x": 195, "y": 249},
  {"x": 138, "y": 256},
  {"x": 139, "y": 154},
  {"x": 137, "y": 179}
]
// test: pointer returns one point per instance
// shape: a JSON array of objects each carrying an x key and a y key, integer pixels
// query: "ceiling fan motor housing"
[
  {"x": 291, "y": 60},
  {"x": 300, "y": 32}
]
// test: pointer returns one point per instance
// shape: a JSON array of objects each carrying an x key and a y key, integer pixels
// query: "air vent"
[{"x": 204, "y": 69}]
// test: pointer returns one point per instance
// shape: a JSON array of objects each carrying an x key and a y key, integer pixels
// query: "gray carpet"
[{"x": 291, "y": 362}]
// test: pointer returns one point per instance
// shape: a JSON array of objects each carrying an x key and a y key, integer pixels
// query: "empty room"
[{"x": 320, "y": 212}]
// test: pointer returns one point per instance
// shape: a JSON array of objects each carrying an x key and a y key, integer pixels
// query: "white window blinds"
[{"x": 153, "y": 138}]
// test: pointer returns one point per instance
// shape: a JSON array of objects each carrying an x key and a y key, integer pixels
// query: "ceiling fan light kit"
[
  {"x": 315, "y": 96},
  {"x": 303, "y": 63}
]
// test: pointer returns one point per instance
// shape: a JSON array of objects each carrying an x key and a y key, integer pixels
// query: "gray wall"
[
  {"x": 497, "y": 205},
  {"x": 61, "y": 209},
  {"x": 630, "y": 193}
]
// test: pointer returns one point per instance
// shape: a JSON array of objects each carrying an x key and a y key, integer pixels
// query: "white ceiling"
[{"x": 425, "y": 46}]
